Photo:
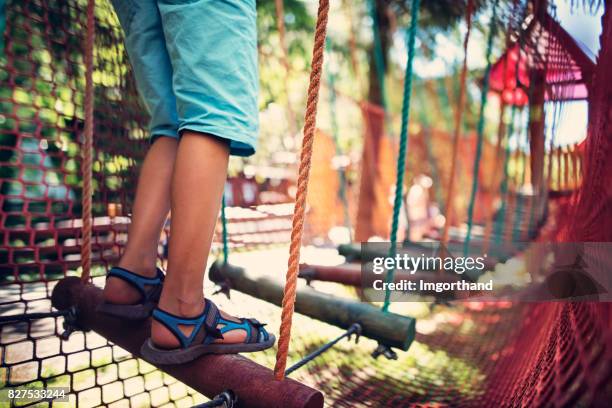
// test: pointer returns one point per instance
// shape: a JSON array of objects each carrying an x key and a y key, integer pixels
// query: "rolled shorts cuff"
[
  {"x": 163, "y": 131},
  {"x": 242, "y": 144}
]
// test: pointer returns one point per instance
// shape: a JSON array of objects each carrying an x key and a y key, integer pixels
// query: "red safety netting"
[{"x": 548, "y": 48}]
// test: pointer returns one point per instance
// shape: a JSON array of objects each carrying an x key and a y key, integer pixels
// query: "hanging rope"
[
  {"x": 403, "y": 147},
  {"x": 280, "y": 24},
  {"x": 480, "y": 129},
  {"x": 87, "y": 147},
  {"x": 501, "y": 220},
  {"x": 519, "y": 212},
  {"x": 499, "y": 225},
  {"x": 458, "y": 116},
  {"x": 310, "y": 119},
  {"x": 501, "y": 128}
]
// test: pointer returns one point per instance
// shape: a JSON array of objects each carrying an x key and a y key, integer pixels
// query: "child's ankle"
[
  {"x": 144, "y": 266},
  {"x": 189, "y": 305}
]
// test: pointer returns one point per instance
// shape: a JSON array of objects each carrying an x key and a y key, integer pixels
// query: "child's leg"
[
  {"x": 197, "y": 187},
  {"x": 146, "y": 47},
  {"x": 213, "y": 49},
  {"x": 149, "y": 212}
]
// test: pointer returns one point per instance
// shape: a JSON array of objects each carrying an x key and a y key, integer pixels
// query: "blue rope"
[{"x": 401, "y": 160}]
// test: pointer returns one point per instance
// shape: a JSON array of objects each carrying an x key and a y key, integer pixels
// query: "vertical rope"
[
  {"x": 310, "y": 119},
  {"x": 480, "y": 129},
  {"x": 458, "y": 116},
  {"x": 280, "y": 24},
  {"x": 224, "y": 231},
  {"x": 501, "y": 128},
  {"x": 87, "y": 147},
  {"x": 499, "y": 225},
  {"x": 525, "y": 200},
  {"x": 403, "y": 147}
]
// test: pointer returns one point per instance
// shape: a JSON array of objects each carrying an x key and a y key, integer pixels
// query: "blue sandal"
[
  {"x": 149, "y": 288},
  {"x": 204, "y": 333}
]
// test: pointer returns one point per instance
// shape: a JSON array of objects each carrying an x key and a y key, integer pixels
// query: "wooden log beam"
[
  {"x": 388, "y": 328},
  {"x": 253, "y": 384}
]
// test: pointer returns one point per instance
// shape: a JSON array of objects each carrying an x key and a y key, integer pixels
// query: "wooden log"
[
  {"x": 388, "y": 328},
  {"x": 253, "y": 384}
]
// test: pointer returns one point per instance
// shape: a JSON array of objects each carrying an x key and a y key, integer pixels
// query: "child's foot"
[
  {"x": 130, "y": 295},
  {"x": 118, "y": 291},
  {"x": 164, "y": 338},
  {"x": 180, "y": 337}
]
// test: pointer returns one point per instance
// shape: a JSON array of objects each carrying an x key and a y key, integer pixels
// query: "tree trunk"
[{"x": 375, "y": 92}]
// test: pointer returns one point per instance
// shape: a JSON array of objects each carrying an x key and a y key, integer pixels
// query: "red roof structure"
[{"x": 547, "y": 47}]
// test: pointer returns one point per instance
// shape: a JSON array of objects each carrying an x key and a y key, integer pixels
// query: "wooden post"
[{"x": 536, "y": 130}]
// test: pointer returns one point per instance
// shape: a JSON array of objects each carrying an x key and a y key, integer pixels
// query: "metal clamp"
[
  {"x": 227, "y": 399},
  {"x": 70, "y": 324},
  {"x": 384, "y": 350},
  {"x": 223, "y": 288}
]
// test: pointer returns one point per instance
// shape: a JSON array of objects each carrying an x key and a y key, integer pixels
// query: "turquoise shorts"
[{"x": 195, "y": 63}]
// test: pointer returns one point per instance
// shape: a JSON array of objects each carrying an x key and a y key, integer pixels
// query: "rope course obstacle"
[{"x": 56, "y": 89}]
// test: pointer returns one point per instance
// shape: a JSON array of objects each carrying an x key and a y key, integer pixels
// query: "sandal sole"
[
  {"x": 129, "y": 312},
  {"x": 180, "y": 356}
]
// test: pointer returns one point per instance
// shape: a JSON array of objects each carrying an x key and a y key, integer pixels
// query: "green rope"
[
  {"x": 500, "y": 222},
  {"x": 516, "y": 234},
  {"x": 518, "y": 218},
  {"x": 331, "y": 80},
  {"x": 401, "y": 160},
  {"x": 224, "y": 231},
  {"x": 480, "y": 129}
]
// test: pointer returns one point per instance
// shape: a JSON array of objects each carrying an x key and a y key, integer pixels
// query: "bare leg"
[
  {"x": 197, "y": 187},
  {"x": 150, "y": 210}
]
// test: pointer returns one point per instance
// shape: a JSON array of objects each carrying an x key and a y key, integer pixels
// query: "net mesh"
[{"x": 468, "y": 355}]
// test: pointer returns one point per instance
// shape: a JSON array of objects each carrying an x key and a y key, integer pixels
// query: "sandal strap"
[
  {"x": 207, "y": 320},
  {"x": 255, "y": 331},
  {"x": 139, "y": 282}
]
